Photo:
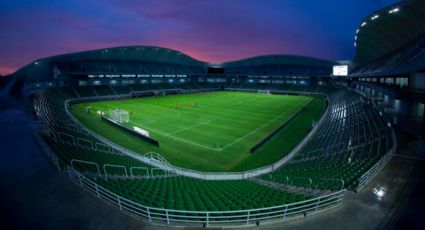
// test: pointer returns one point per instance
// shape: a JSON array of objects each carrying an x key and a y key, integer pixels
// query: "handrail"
[
  {"x": 212, "y": 218},
  {"x": 313, "y": 183},
  {"x": 114, "y": 166},
  {"x": 376, "y": 168},
  {"x": 85, "y": 162}
]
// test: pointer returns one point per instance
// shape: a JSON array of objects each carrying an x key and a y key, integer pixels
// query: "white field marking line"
[
  {"x": 145, "y": 121},
  {"x": 243, "y": 101},
  {"x": 180, "y": 139},
  {"x": 189, "y": 142},
  {"x": 163, "y": 107},
  {"x": 220, "y": 149},
  {"x": 254, "y": 131},
  {"x": 232, "y": 143},
  {"x": 190, "y": 127}
]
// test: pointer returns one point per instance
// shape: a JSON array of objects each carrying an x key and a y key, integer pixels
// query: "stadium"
[{"x": 174, "y": 141}]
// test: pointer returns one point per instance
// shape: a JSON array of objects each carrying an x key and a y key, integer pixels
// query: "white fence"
[
  {"x": 195, "y": 173},
  {"x": 212, "y": 218}
]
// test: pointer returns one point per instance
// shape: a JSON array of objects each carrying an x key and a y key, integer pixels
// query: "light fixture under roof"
[
  {"x": 363, "y": 24},
  {"x": 395, "y": 10},
  {"x": 375, "y": 17}
]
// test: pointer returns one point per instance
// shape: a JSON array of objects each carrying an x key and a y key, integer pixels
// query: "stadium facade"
[{"x": 351, "y": 143}]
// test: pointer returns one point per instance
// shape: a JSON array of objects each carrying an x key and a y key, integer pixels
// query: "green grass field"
[{"x": 214, "y": 135}]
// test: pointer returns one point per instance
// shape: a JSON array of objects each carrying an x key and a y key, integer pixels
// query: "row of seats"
[
  {"x": 159, "y": 190},
  {"x": 106, "y": 90},
  {"x": 185, "y": 193},
  {"x": 74, "y": 144},
  {"x": 352, "y": 138},
  {"x": 395, "y": 61},
  {"x": 125, "y": 67},
  {"x": 282, "y": 87}
]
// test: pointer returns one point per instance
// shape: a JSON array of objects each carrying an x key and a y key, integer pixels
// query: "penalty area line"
[
  {"x": 255, "y": 130},
  {"x": 189, "y": 142},
  {"x": 190, "y": 127}
]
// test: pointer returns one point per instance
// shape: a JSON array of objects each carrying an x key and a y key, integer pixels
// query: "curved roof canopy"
[
  {"x": 139, "y": 53},
  {"x": 280, "y": 60},
  {"x": 389, "y": 29},
  {"x": 42, "y": 68}
]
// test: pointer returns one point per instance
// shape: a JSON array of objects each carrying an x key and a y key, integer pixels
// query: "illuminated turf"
[{"x": 210, "y": 131}]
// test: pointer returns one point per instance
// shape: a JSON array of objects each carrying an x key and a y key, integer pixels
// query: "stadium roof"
[
  {"x": 280, "y": 60},
  {"x": 389, "y": 29},
  {"x": 42, "y": 68},
  {"x": 140, "y": 53}
]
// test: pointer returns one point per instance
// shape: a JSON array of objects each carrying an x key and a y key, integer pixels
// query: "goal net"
[
  {"x": 267, "y": 92},
  {"x": 119, "y": 115}
]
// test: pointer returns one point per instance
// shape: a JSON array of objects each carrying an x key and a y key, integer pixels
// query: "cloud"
[{"x": 207, "y": 30}]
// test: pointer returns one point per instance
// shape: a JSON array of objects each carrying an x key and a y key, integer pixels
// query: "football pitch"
[{"x": 212, "y": 131}]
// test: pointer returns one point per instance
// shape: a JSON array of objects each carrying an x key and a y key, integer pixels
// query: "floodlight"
[{"x": 395, "y": 10}]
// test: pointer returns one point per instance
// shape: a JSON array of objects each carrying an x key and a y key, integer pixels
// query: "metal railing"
[
  {"x": 376, "y": 168},
  {"x": 372, "y": 172},
  {"x": 211, "y": 218},
  {"x": 306, "y": 182}
]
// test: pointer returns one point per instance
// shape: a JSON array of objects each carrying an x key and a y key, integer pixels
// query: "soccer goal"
[
  {"x": 119, "y": 115},
  {"x": 267, "y": 92}
]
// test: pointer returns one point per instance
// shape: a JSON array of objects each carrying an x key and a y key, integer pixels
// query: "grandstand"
[
  {"x": 338, "y": 151},
  {"x": 325, "y": 166}
]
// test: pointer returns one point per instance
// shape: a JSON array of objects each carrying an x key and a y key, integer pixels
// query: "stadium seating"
[
  {"x": 104, "y": 90},
  {"x": 72, "y": 143},
  {"x": 397, "y": 61},
  {"x": 352, "y": 138},
  {"x": 184, "y": 193}
]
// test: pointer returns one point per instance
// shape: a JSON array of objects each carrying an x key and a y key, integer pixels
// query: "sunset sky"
[{"x": 206, "y": 30}]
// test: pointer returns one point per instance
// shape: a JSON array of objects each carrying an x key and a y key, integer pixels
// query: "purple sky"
[{"x": 214, "y": 30}]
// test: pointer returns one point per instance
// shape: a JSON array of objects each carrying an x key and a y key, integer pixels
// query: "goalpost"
[
  {"x": 267, "y": 92},
  {"x": 119, "y": 115}
]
